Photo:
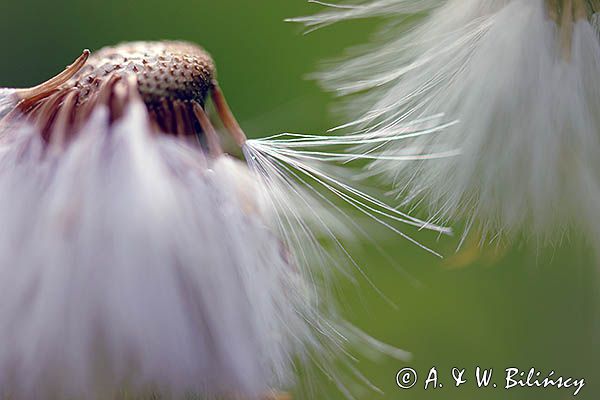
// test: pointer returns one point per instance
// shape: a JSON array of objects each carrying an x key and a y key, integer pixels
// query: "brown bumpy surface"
[
  {"x": 164, "y": 71},
  {"x": 173, "y": 79}
]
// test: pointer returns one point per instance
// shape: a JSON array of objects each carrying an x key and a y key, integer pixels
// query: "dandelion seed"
[
  {"x": 520, "y": 79},
  {"x": 137, "y": 257}
]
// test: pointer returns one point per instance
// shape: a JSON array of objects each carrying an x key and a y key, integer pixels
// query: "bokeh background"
[{"x": 525, "y": 305}]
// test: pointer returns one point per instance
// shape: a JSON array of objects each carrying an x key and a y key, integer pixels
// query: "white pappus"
[{"x": 519, "y": 79}]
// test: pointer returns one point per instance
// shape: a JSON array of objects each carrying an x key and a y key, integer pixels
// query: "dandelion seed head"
[{"x": 136, "y": 256}]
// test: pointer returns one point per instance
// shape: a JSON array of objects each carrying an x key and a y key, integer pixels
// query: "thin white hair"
[{"x": 526, "y": 125}]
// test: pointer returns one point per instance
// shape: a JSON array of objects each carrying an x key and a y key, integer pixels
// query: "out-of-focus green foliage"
[{"x": 532, "y": 306}]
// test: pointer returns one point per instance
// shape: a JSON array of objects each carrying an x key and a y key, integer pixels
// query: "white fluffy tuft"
[
  {"x": 527, "y": 111},
  {"x": 131, "y": 263}
]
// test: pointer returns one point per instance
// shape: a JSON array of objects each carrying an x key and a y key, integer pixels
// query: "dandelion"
[
  {"x": 519, "y": 78},
  {"x": 136, "y": 257}
]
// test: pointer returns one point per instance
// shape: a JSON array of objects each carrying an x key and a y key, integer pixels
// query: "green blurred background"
[{"x": 528, "y": 306}]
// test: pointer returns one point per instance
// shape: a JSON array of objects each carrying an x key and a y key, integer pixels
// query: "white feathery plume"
[
  {"x": 365, "y": 9},
  {"x": 135, "y": 261},
  {"x": 306, "y": 179},
  {"x": 287, "y": 160},
  {"x": 519, "y": 76}
]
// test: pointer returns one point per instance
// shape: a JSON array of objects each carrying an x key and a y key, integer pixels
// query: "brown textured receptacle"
[
  {"x": 172, "y": 78},
  {"x": 164, "y": 70}
]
